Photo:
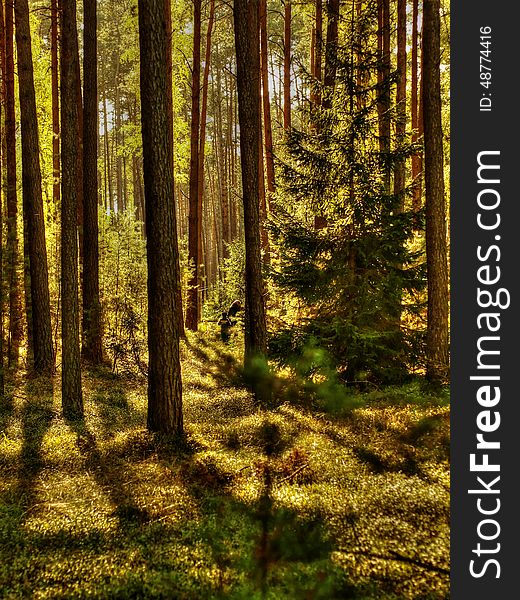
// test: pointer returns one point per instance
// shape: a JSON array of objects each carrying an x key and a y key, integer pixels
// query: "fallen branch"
[
  {"x": 400, "y": 557},
  {"x": 298, "y": 470}
]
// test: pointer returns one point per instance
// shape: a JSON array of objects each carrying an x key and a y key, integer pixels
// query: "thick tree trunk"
[
  {"x": 436, "y": 260},
  {"x": 72, "y": 399},
  {"x": 248, "y": 82},
  {"x": 195, "y": 217},
  {"x": 164, "y": 374},
  {"x": 15, "y": 303},
  {"x": 32, "y": 198},
  {"x": 287, "y": 66},
  {"x": 92, "y": 349}
]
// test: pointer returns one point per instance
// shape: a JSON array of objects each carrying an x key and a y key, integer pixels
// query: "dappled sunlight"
[{"x": 354, "y": 499}]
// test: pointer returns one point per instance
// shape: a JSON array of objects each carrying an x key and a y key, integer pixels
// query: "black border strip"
[{"x": 474, "y": 131}]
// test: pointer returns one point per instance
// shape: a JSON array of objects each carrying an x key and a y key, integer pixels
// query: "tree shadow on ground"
[
  {"x": 36, "y": 418},
  {"x": 110, "y": 470}
]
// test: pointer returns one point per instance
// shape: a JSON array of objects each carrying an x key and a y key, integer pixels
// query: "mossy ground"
[{"x": 357, "y": 504}]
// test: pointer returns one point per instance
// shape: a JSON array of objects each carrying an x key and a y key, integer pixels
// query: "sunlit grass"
[{"x": 358, "y": 501}]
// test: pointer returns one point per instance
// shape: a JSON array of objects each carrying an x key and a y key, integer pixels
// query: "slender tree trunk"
[
  {"x": 2, "y": 171},
  {"x": 329, "y": 76},
  {"x": 248, "y": 82},
  {"x": 223, "y": 168},
  {"x": 268, "y": 133},
  {"x": 195, "y": 217},
  {"x": 287, "y": 65},
  {"x": 203, "y": 115},
  {"x": 164, "y": 376},
  {"x": 107, "y": 155},
  {"x": 383, "y": 81},
  {"x": 32, "y": 198},
  {"x": 72, "y": 399},
  {"x": 15, "y": 303},
  {"x": 400, "y": 125},
  {"x": 55, "y": 106},
  {"x": 264, "y": 238},
  {"x": 414, "y": 102},
  {"x": 92, "y": 342},
  {"x": 169, "y": 81},
  {"x": 331, "y": 51},
  {"x": 436, "y": 259},
  {"x": 316, "y": 72},
  {"x": 79, "y": 150}
]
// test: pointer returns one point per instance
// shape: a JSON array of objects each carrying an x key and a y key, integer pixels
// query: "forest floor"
[{"x": 280, "y": 503}]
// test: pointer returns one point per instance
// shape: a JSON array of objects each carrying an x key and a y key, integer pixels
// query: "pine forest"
[{"x": 224, "y": 299}]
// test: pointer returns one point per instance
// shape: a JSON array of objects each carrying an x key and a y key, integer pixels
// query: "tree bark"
[
  {"x": 79, "y": 150},
  {"x": 268, "y": 133},
  {"x": 287, "y": 65},
  {"x": 2, "y": 171},
  {"x": 203, "y": 115},
  {"x": 164, "y": 374},
  {"x": 32, "y": 198},
  {"x": 248, "y": 82},
  {"x": 316, "y": 71},
  {"x": 384, "y": 68},
  {"x": 195, "y": 216},
  {"x": 12, "y": 250},
  {"x": 400, "y": 125},
  {"x": 331, "y": 51},
  {"x": 222, "y": 153},
  {"x": 92, "y": 348},
  {"x": 436, "y": 259},
  {"x": 72, "y": 399},
  {"x": 169, "y": 81},
  {"x": 414, "y": 101},
  {"x": 55, "y": 105}
]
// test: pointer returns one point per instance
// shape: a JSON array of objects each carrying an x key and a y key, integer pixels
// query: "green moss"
[{"x": 284, "y": 503}]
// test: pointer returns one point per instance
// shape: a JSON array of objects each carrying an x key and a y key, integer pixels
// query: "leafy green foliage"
[{"x": 354, "y": 274}]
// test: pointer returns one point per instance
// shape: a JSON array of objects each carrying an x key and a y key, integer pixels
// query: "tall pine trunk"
[
  {"x": 317, "y": 51},
  {"x": 12, "y": 250},
  {"x": 2, "y": 171},
  {"x": 40, "y": 314},
  {"x": 248, "y": 83},
  {"x": 268, "y": 133},
  {"x": 400, "y": 124},
  {"x": 414, "y": 101},
  {"x": 195, "y": 216},
  {"x": 331, "y": 51},
  {"x": 169, "y": 81},
  {"x": 436, "y": 259},
  {"x": 164, "y": 373},
  {"x": 202, "y": 132},
  {"x": 55, "y": 106},
  {"x": 72, "y": 399},
  {"x": 92, "y": 349},
  {"x": 287, "y": 65},
  {"x": 384, "y": 68}
]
